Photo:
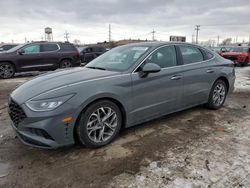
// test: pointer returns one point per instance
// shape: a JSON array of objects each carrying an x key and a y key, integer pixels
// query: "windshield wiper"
[{"x": 100, "y": 68}]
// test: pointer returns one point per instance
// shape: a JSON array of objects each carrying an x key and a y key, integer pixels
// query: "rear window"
[
  {"x": 66, "y": 46},
  {"x": 207, "y": 55},
  {"x": 190, "y": 54},
  {"x": 49, "y": 47}
]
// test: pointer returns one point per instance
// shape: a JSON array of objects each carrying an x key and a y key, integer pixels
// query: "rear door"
[
  {"x": 31, "y": 58},
  {"x": 88, "y": 54},
  {"x": 198, "y": 74},
  {"x": 158, "y": 93},
  {"x": 50, "y": 56}
]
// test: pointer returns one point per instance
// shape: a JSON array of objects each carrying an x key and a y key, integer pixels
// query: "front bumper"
[{"x": 44, "y": 132}]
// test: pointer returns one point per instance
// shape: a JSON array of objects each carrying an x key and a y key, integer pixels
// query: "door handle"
[
  {"x": 210, "y": 71},
  {"x": 176, "y": 77}
]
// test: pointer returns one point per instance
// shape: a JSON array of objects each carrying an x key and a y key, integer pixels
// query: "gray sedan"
[{"x": 126, "y": 86}]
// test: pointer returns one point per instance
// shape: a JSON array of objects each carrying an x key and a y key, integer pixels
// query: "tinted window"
[
  {"x": 164, "y": 57},
  {"x": 32, "y": 49},
  {"x": 49, "y": 47},
  {"x": 207, "y": 55},
  {"x": 190, "y": 54},
  {"x": 7, "y": 47},
  {"x": 66, "y": 46}
]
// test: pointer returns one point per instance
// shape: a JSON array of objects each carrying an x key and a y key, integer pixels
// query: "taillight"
[{"x": 78, "y": 53}]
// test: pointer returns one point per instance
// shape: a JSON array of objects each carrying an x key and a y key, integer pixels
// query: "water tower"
[{"x": 48, "y": 34}]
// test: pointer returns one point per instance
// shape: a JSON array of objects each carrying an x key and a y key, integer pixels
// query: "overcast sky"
[{"x": 88, "y": 20}]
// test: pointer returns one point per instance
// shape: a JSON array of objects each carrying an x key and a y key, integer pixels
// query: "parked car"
[
  {"x": 88, "y": 53},
  {"x": 221, "y": 49},
  {"x": 126, "y": 86},
  {"x": 38, "y": 56},
  {"x": 239, "y": 55},
  {"x": 5, "y": 47}
]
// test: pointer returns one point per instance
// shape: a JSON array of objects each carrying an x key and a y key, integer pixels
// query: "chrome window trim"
[
  {"x": 176, "y": 54},
  {"x": 53, "y": 50},
  {"x": 40, "y": 49}
]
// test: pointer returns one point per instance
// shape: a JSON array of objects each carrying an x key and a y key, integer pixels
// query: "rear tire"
[
  {"x": 7, "y": 70},
  {"x": 217, "y": 95},
  {"x": 66, "y": 63},
  {"x": 99, "y": 124}
]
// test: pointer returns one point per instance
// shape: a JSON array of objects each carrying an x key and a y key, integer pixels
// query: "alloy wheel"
[
  {"x": 66, "y": 64},
  {"x": 6, "y": 71},
  {"x": 102, "y": 124},
  {"x": 219, "y": 94}
]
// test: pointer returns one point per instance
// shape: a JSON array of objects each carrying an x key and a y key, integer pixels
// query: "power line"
[{"x": 197, "y": 28}]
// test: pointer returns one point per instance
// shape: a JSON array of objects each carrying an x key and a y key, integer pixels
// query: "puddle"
[{"x": 4, "y": 169}]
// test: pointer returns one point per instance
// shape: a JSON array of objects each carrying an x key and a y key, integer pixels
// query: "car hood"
[{"x": 51, "y": 81}]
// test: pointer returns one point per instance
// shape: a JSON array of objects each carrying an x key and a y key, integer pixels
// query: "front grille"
[
  {"x": 233, "y": 58},
  {"x": 41, "y": 133},
  {"x": 17, "y": 115}
]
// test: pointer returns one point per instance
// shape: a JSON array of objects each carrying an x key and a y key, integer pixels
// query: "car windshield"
[
  {"x": 238, "y": 49},
  {"x": 15, "y": 48},
  {"x": 119, "y": 59}
]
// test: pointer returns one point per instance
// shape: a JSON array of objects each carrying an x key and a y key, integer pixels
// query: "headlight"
[{"x": 47, "y": 104}]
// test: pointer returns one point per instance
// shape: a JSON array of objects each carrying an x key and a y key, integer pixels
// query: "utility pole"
[
  {"x": 197, "y": 28},
  {"x": 109, "y": 33},
  {"x": 193, "y": 38},
  {"x": 25, "y": 40},
  {"x": 218, "y": 40},
  {"x": 66, "y": 35},
  {"x": 153, "y": 35}
]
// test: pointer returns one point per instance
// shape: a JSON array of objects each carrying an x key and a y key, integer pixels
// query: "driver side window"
[
  {"x": 32, "y": 49},
  {"x": 164, "y": 57}
]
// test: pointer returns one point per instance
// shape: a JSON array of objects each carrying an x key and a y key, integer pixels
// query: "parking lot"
[{"x": 193, "y": 148}]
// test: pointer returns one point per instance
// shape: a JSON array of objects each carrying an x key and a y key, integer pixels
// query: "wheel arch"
[
  {"x": 224, "y": 78},
  {"x": 11, "y": 62},
  {"x": 112, "y": 99}
]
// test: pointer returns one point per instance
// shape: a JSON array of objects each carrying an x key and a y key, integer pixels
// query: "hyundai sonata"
[{"x": 126, "y": 86}]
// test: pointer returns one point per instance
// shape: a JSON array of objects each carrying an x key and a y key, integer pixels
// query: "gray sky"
[{"x": 88, "y": 20}]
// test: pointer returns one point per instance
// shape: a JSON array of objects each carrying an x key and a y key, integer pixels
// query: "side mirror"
[
  {"x": 21, "y": 52},
  {"x": 149, "y": 68}
]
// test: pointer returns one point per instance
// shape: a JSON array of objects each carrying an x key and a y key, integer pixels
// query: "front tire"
[
  {"x": 7, "y": 70},
  {"x": 217, "y": 95},
  {"x": 99, "y": 124}
]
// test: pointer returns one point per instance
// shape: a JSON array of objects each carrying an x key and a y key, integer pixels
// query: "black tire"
[
  {"x": 7, "y": 70},
  {"x": 66, "y": 63},
  {"x": 83, "y": 133},
  {"x": 211, "y": 102}
]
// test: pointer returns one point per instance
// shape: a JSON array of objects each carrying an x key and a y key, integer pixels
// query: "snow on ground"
[
  {"x": 220, "y": 160},
  {"x": 243, "y": 79}
]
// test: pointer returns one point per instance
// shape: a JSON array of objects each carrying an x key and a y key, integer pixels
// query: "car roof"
[{"x": 160, "y": 43}]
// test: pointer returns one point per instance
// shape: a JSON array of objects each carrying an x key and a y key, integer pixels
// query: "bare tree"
[{"x": 227, "y": 41}]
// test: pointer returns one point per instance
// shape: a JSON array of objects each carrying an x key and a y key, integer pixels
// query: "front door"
[
  {"x": 158, "y": 93},
  {"x": 30, "y": 59}
]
